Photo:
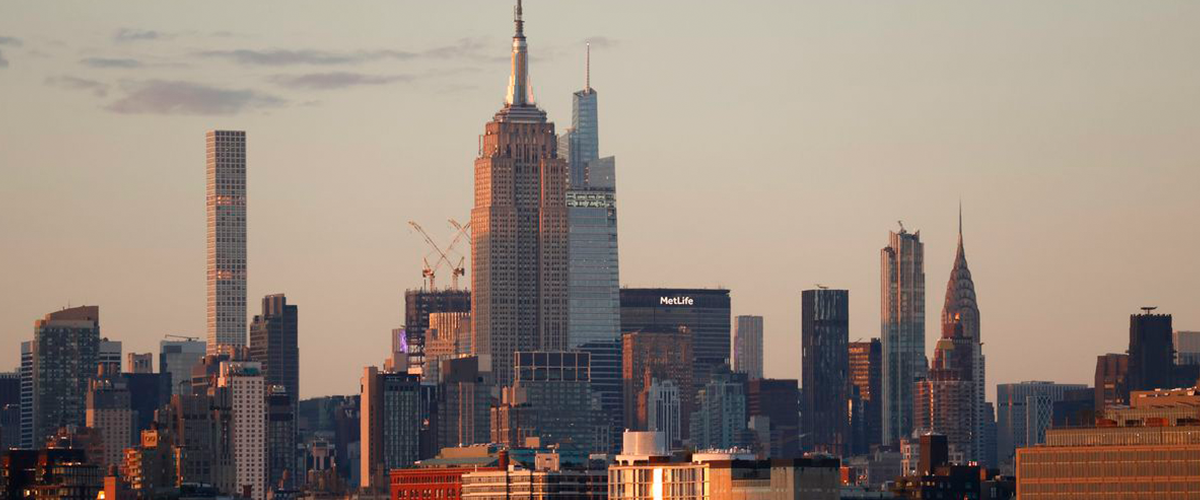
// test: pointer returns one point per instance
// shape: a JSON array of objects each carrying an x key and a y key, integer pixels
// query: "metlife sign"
[{"x": 676, "y": 301}]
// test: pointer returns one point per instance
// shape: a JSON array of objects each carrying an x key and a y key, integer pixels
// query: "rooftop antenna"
[
  {"x": 822, "y": 287},
  {"x": 587, "y": 69},
  {"x": 1148, "y": 309},
  {"x": 902, "y": 231}
]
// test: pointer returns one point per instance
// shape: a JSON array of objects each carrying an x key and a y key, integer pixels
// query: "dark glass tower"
[
  {"x": 705, "y": 313},
  {"x": 825, "y": 333},
  {"x": 1151, "y": 352},
  {"x": 273, "y": 342}
]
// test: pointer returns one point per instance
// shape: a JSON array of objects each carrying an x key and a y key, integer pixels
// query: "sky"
[{"x": 761, "y": 146}]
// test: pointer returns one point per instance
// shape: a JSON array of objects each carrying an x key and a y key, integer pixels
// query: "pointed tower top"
[
  {"x": 960, "y": 220},
  {"x": 518, "y": 21},
  {"x": 587, "y": 69}
]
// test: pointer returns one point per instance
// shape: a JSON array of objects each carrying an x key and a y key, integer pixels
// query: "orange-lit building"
[{"x": 441, "y": 478}]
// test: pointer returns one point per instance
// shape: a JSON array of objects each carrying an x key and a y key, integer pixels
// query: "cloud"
[
  {"x": 281, "y": 57},
  {"x": 9, "y": 40},
  {"x": 336, "y": 80},
  {"x": 463, "y": 48},
  {"x": 134, "y": 34},
  {"x": 166, "y": 97},
  {"x": 3, "y": 61},
  {"x": 601, "y": 42},
  {"x": 75, "y": 83},
  {"x": 103, "y": 62}
]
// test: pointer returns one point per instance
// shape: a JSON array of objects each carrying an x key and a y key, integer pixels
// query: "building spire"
[
  {"x": 587, "y": 69},
  {"x": 519, "y": 91},
  {"x": 960, "y": 221}
]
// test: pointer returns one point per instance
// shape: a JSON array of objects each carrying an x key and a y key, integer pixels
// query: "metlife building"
[{"x": 705, "y": 312}]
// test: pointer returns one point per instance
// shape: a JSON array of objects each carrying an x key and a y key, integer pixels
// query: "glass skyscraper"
[
  {"x": 902, "y": 330},
  {"x": 594, "y": 301}
]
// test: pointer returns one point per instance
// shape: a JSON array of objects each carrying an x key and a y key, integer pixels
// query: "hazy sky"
[{"x": 761, "y": 146}]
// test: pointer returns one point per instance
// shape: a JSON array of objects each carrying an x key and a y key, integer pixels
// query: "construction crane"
[
  {"x": 182, "y": 337},
  {"x": 429, "y": 272}
]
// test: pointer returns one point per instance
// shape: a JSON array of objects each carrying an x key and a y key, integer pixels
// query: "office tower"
[
  {"x": 866, "y": 376},
  {"x": 226, "y": 207},
  {"x": 705, "y": 313},
  {"x": 1187, "y": 348},
  {"x": 10, "y": 409},
  {"x": 580, "y": 145},
  {"x": 1076, "y": 408},
  {"x": 448, "y": 336},
  {"x": 944, "y": 401},
  {"x": 962, "y": 306},
  {"x": 465, "y": 391},
  {"x": 663, "y": 410},
  {"x": 1141, "y": 455},
  {"x": 281, "y": 439},
  {"x": 519, "y": 228},
  {"x": 418, "y": 305},
  {"x": 1151, "y": 352},
  {"x": 825, "y": 333},
  {"x": 149, "y": 392},
  {"x": 63, "y": 356},
  {"x": 902, "y": 329},
  {"x": 390, "y": 421},
  {"x": 662, "y": 353},
  {"x": 274, "y": 344},
  {"x": 1112, "y": 388},
  {"x": 990, "y": 436},
  {"x": 26, "y": 428},
  {"x": 140, "y": 363},
  {"x": 242, "y": 393},
  {"x": 719, "y": 421},
  {"x": 193, "y": 423},
  {"x": 748, "y": 346},
  {"x": 608, "y": 388},
  {"x": 110, "y": 412},
  {"x": 108, "y": 359},
  {"x": 593, "y": 289},
  {"x": 151, "y": 465},
  {"x": 778, "y": 402},
  {"x": 1025, "y": 412},
  {"x": 177, "y": 357},
  {"x": 550, "y": 399}
]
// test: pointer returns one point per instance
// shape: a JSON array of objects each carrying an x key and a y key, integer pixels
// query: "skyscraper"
[
  {"x": 390, "y": 424},
  {"x": 63, "y": 357},
  {"x": 177, "y": 357},
  {"x": 961, "y": 306},
  {"x": 418, "y": 305},
  {"x": 1151, "y": 352},
  {"x": 1112, "y": 386},
  {"x": 748, "y": 346},
  {"x": 902, "y": 321},
  {"x": 866, "y": 376},
  {"x": 1025, "y": 411},
  {"x": 944, "y": 400},
  {"x": 550, "y": 399},
  {"x": 226, "y": 204},
  {"x": 719, "y": 421},
  {"x": 140, "y": 363},
  {"x": 705, "y": 313},
  {"x": 519, "y": 228},
  {"x": 825, "y": 332},
  {"x": 657, "y": 353},
  {"x": 593, "y": 289},
  {"x": 242, "y": 397},
  {"x": 274, "y": 344}
]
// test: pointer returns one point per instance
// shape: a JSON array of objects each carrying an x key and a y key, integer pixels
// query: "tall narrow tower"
[
  {"x": 902, "y": 330},
  {"x": 961, "y": 308},
  {"x": 226, "y": 203},
  {"x": 519, "y": 224}
]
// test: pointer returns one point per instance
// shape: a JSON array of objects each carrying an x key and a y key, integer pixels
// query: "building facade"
[
  {"x": 902, "y": 330},
  {"x": 944, "y": 401},
  {"x": 705, "y": 313},
  {"x": 177, "y": 357},
  {"x": 1025, "y": 411},
  {"x": 140, "y": 363},
  {"x": 1112, "y": 388},
  {"x": 242, "y": 390},
  {"x": 962, "y": 306},
  {"x": 550, "y": 400},
  {"x": 657, "y": 353},
  {"x": 226, "y": 206},
  {"x": 448, "y": 336},
  {"x": 110, "y": 412},
  {"x": 274, "y": 343},
  {"x": 62, "y": 357},
  {"x": 418, "y": 305},
  {"x": 777, "y": 401},
  {"x": 719, "y": 421},
  {"x": 825, "y": 332},
  {"x": 1151, "y": 352},
  {"x": 519, "y": 228},
  {"x": 390, "y": 421},
  {"x": 748, "y": 346},
  {"x": 866, "y": 380}
]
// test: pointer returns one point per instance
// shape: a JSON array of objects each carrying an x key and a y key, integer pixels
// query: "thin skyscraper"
[
  {"x": 825, "y": 362},
  {"x": 748, "y": 346},
  {"x": 902, "y": 330},
  {"x": 226, "y": 205},
  {"x": 519, "y": 225}
]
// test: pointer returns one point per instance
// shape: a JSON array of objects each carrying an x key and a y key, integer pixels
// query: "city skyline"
[{"x": 136, "y": 260}]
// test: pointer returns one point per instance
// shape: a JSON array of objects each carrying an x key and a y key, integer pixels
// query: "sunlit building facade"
[{"x": 226, "y": 206}]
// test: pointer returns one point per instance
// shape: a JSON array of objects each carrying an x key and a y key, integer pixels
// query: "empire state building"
[{"x": 519, "y": 226}]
